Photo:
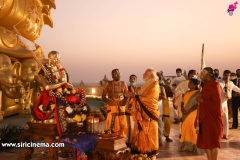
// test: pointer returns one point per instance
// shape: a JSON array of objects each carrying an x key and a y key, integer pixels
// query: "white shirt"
[
  {"x": 181, "y": 89},
  {"x": 176, "y": 81},
  {"x": 230, "y": 87}
]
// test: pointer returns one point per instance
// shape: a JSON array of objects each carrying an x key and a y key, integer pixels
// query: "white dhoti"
[{"x": 225, "y": 118}]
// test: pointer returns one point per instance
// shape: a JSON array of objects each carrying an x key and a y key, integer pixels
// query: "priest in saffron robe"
[
  {"x": 210, "y": 115},
  {"x": 145, "y": 115}
]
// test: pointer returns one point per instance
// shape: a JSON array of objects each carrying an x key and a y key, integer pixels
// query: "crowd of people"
[{"x": 201, "y": 104}]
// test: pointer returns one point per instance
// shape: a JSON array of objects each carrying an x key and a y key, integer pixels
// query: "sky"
[{"x": 96, "y": 36}]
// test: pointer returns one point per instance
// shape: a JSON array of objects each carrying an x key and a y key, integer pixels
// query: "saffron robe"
[
  {"x": 145, "y": 132},
  {"x": 116, "y": 120}
]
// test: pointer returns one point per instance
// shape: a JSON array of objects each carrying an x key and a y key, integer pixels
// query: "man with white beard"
[{"x": 146, "y": 115}]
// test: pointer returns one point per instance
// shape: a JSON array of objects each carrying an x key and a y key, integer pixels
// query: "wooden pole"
[
  {"x": 202, "y": 61},
  {"x": 20, "y": 37},
  {"x": 202, "y": 56}
]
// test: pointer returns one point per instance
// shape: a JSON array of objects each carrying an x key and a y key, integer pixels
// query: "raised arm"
[
  {"x": 235, "y": 88},
  {"x": 162, "y": 94}
]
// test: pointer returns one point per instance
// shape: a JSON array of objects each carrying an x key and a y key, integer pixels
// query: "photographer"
[
  {"x": 227, "y": 86},
  {"x": 163, "y": 103},
  {"x": 236, "y": 101}
]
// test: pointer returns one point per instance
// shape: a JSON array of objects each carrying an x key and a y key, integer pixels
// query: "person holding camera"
[
  {"x": 236, "y": 101},
  {"x": 164, "y": 123},
  {"x": 227, "y": 87}
]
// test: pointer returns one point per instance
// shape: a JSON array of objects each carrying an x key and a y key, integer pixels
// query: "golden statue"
[{"x": 20, "y": 84}]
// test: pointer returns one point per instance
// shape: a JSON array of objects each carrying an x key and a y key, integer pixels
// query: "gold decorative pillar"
[{"x": 1, "y": 114}]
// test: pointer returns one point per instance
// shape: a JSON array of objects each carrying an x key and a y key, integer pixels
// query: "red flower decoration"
[{"x": 72, "y": 99}]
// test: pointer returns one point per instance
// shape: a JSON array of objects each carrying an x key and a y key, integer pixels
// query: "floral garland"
[
  {"x": 75, "y": 102},
  {"x": 74, "y": 98},
  {"x": 53, "y": 77},
  {"x": 77, "y": 92}
]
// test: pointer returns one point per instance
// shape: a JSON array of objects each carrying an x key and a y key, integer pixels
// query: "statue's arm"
[{"x": 50, "y": 86}]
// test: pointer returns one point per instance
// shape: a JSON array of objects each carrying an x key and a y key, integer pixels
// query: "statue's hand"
[{"x": 69, "y": 85}]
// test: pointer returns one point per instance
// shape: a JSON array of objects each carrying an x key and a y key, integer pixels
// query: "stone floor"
[{"x": 230, "y": 149}]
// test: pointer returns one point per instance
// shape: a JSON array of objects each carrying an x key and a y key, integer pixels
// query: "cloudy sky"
[{"x": 96, "y": 36}]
